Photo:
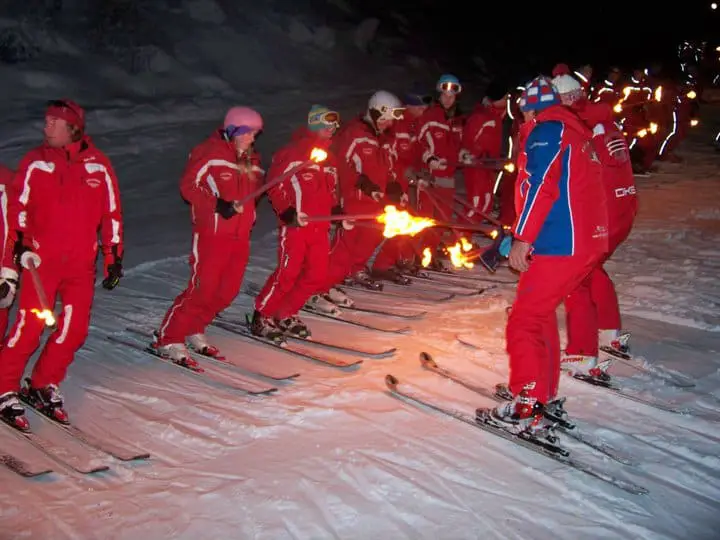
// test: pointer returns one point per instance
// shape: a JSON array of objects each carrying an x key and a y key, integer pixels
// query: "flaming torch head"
[
  {"x": 318, "y": 155},
  {"x": 402, "y": 223},
  {"x": 46, "y": 316}
]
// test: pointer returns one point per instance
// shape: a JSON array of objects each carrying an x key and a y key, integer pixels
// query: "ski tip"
[
  {"x": 391, "y": 381},
  {"x": 427, "y": 360}
]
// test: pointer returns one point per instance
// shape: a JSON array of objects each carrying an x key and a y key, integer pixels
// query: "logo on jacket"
[
  {"x": 307, "y": 176},
  {"x": 92, "y": 182},
  {"x": 625, "y": 191},
  {"x": 226, "y": 176}
]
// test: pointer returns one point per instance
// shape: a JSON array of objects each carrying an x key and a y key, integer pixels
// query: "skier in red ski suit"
[
  {"x": 401, "y": 252},
  {"x": 562, "y": 223},
  {"x": 593, "y": 313},
  {"x": 219, "y": 173},
  {"x": 440, "y": 138},
  {"x": 63, "y": 192},
  {"x": 303, "y": 246},
  {"x": 8, "y": 283},
  {"x": 366, "y": 187},
  {"x": 483, "y": 139}
]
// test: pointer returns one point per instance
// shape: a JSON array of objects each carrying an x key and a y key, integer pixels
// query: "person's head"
[
  {"x": 241, "y": 126},
  {"x": 322, "y": 121},
  {"x": 383, "y": 109},
  {"x": 417, "y": 101},
  {"x": 448, "y": 88},
  {"x": 539, "y": 94},
  {"x": 586, "y": 71},
  {"x": 496, "y": 96},
  {"x": 64, "y": 123},
  {"x": 569, "y": 88},
  {"x": 614, "y": 74}
]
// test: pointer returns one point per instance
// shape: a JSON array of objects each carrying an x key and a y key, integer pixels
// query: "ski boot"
[
  {"x": 199, "y": 344},
  {"x": 522, "y": 416},
  {"x": 362, "y": 278},
  {"x": 615, "y": 342},
  {"x": 321, "y": 304},
  {"x": 554, "y": 410},
  {"x": 265, "y": 327},
  {"x": 583, "y": 366},
  {"x": 177, "y": 353},
  {"x": 12, "y": 412},
  {"x": 392, "y": 275},
  {"x": 293, "y": 326},
  {"x": 339, "y": 297},
  {"x": 46, "y": 400},
  {"x": 412, "y": 268}
]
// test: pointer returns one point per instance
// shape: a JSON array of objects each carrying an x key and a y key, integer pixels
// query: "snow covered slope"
[{"x": 331, "y": 454}]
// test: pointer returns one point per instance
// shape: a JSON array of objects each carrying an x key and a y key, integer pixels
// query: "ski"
[
  {"x": 207, "y": 372},
  {"x": 64, "y": 456},
  {"x": 107, "y": 446},
  {"x": 612, "y": 387},
  {"x": 222, "y": 360},
  {"x": 403, "y": 390},
  {"x": 437, "y": 288},
  {"x": 409, "y": 295},
  {"x": 22, "y": 467},
  {"x": 349, "y": 319},
  {"x": 468, "y": 285},
  {"x": 292, "y": 348},
  {"x": 629, "y": 360},
  {"x": 366, "y": 351},
  {"x": 456, "y": 275},
  {"x": 412, "y": 315},
  {"x": 568, "y": 428},
  {"x": 620, "y": 391}
]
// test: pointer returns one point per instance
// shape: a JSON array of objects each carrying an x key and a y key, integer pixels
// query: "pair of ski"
[
  {"x": 80, "y": 462},
  {"x": 557, "y": 453},
  {"x": 611, "y": 386}
]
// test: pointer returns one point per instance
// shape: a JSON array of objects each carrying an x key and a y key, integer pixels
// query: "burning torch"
[
  {"x": 317, "y": 155},
  {"x": 45, "y": 314}
]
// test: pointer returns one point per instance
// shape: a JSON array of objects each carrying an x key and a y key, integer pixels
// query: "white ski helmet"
[{"x": 385, "y": 106}]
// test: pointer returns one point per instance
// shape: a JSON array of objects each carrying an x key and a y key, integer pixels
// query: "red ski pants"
[
  {"x": 350, "y": 252},
  {"x": 303, "y": 254},
  {"x": 507, "y": 199},
  {"x": 217, "y": 267},
  {"x": 593, "y": 305},
  {"x": 533, "y": 340},
  {"x": 479, "y": 184},
  {"x": 437, "y": 203},
  {"x": 76, "y": 290},
  {"x": 394, "y": 250}
]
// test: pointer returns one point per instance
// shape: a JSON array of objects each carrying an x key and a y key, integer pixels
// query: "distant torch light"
[{"x": 713, "y": 5}]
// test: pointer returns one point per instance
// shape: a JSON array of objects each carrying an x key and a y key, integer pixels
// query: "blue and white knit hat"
[{"x": 538, "y": 95}]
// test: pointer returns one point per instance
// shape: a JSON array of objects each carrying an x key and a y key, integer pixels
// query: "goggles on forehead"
[
  {"x": 327, "y": 118},
  {"x": 58, "y": 103},
  {"x": 449, "y": 87},
  {"x": 236, "y": 131},
  {"x": 392, "y": 113}
]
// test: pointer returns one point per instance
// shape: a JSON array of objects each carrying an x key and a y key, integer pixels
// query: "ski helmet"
[
  {"x": 384, "y": 106},
  {"x": 448, "y": 83},
  {"x": 242, "y": 120}
]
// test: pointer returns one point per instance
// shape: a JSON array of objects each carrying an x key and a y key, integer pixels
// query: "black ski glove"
[{"x": 225, "y": 209}]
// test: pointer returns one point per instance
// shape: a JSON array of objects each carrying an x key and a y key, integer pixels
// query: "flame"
[
  {"x": 694, "y": 122},
  {"x": 494, "y": 234},
  {"x": 402, "y": 223},
  {"x": 658, "y": 93},
  {"x": 427, "y": 257},
  {"x": 318, "y": 155},
  {"x": 653, "y": 127},
  {"x": 44, "y": 315},
  {"x": 618, "y": 108},
  {"x": 509, "y": 167},
  {"x": 458, "y": 259},
  {"x": 642, "y": 133},
  {"x": 691, "y": 94}
]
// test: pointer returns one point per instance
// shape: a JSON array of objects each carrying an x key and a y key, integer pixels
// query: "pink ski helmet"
[{"x": 242, "y": 120}]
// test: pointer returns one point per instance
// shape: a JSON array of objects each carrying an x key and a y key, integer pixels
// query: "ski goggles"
[
  {"x": 236, "y": 131},
  {"x": 325, "y": 118},
  {"x": 449, "y": 88},
  {"x": 389, "y": 113}
]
